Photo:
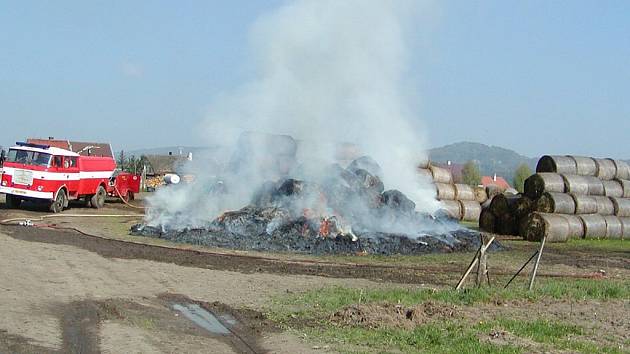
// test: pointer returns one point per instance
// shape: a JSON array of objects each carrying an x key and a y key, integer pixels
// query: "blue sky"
[{"x": 537, "y": 76}]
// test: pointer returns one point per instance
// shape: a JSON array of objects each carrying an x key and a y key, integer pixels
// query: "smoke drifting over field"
[{"x": 326, "y": 72}]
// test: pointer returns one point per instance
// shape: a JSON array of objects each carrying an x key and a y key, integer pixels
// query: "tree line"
[
  {"x": 471, "y": 175},
  {"x": 131, "y": 164}
]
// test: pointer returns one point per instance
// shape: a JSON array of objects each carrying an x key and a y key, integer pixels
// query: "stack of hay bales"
[
  {"x": 460, "y": 201},
  {"x": 576, "y": 197}
]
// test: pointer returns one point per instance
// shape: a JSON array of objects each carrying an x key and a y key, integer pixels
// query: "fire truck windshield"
[{"x": 28, "y": 157}]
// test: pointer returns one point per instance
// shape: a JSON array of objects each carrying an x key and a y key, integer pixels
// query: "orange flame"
[{"x": 324, "y": 228}]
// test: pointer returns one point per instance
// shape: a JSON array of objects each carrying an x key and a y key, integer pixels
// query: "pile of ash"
[{"x": 348, "y": 211}]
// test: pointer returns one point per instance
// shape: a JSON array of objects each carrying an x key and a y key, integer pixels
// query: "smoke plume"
[{"x": 325, "y": 72}]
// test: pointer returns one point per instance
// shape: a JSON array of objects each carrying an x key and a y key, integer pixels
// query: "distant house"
[
  {"x": 160, "y": 165},
  {"x": 495, "y": 180},
  {"x": 80, "y": 147}
]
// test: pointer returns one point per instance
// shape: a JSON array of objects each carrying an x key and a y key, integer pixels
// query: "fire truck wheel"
[
  {"x": 60, "y": 201},
  {"x": 98, "y": 199},
  {"x": 13, "y": 202}
]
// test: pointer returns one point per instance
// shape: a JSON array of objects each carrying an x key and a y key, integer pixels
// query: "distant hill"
[{"x": 491, "y": 159}]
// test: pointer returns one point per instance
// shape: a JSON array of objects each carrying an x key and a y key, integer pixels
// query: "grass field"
[{"x": 492, "y": 320}]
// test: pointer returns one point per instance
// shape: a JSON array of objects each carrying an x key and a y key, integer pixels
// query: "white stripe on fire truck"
[{"x": 26, "y": 193}]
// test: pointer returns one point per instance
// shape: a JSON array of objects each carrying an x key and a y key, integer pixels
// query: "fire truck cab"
[{"x": 54, "y": 175}]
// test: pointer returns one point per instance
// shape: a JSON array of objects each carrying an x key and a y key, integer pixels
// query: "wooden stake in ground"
[
  {"x": 482, "y": 265},
  {"x": 540, "y": 251},
  {"x": 481, "y": 271}
]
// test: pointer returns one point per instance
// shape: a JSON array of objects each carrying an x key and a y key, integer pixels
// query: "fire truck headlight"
[
  {"x": 4, "y": 183},
  {"x": 40, "y": 188}
]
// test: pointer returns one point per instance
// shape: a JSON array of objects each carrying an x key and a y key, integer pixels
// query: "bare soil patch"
[
  {"x": 111, "y": 248},
  {"x": 392, "y": 315}
]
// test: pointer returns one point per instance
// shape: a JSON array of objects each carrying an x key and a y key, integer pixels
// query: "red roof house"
[
  {"x": 496, "y": 180},
  {"x": 81, "y": 148}
]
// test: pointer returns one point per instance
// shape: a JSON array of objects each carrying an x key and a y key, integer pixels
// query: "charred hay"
[
  {"x": 346, "y": 212},
  {"x": 537, "y": 184},
  {"x": 250, "y": 229}
]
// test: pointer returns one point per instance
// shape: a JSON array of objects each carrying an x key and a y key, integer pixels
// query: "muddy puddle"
[{"x": 204, "y": 319}]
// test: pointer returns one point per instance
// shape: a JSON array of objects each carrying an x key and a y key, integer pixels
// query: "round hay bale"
[
  {"x": 623, "y": 169},
  {"x": 585, "y": 166},
  {"x": 575, "y": 184},
  {"x": 553, "y": 227},
  {"x": 604, "y": 205},
  {"x": 594, "y": 225},
  {"x": 621, "y": 206},
  {"x": 614, "y": 228},
  {"x": 559, "y": 203},
  {"x": 584, "y": 204},
  {"x": 424, "y": 162},
  {"x": 471, "y": 210},
  {"x": 606, "y": 169},
  {"x": 625, "y": 228},
  {"x": 537, "y": 184},
  {"x": 441, "y": 175},
  {"x": 492, "y": 190},
  {"x": 576, "y": 229},
  {"x": 595, "y": 185},
  {"x": 506, "y": 224},
  {"x": 480, "y": 194},
  {"x": 625, "y": 185},
  {"x": 425, "y": 174},
  {"x": 464, "y": 192},
  {"x": 523, "y": 206},
  {"x": 487, "y": 221},
  {"x": 556, "y": 164},
  {"x": 503, "y": 204},
  {"x": 613, "y": 189},
  {"x": 522, "y": 226},
  {"x": 452, "y": 208},
  {"x": 445, "y": 191}
]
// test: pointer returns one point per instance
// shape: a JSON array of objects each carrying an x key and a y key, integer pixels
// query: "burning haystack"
[{"x": 344, "y": 211}]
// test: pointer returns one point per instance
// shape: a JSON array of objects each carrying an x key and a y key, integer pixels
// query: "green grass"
[
  {"x": 334, "y": 298},
  {"x": 309, "y": 313},
  {"x": 596, "y": 245},
  {"x": 449, "y": 337},
  {"x": 461, "y": 337}
]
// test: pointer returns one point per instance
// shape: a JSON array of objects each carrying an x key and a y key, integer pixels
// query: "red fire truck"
[{"x": 55, "y": 175}]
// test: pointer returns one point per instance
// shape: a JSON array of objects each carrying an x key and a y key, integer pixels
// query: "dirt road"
[{"x": 60, "y": 297}]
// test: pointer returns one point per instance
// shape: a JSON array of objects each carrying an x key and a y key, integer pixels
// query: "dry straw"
[
  {"x": 614, "y": 228},
  {"x": 557, "y": 164},
  {"x": 575, "y": 184},
  {"x": 585, "y": 165},
  {"x": 606, "y": 169},
  {"x": 441, "y": 175},
  {"x": 470, "y": 210},
  {"x": 584, "y": 204},
  {"x": 464, "y": 192},
  {"x": 594, "y": 225}
]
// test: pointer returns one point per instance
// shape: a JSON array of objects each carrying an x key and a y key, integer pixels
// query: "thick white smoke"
[{"x": 326, "y": 72}]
